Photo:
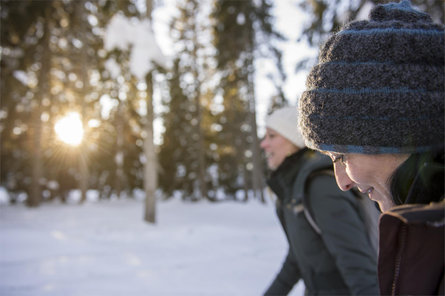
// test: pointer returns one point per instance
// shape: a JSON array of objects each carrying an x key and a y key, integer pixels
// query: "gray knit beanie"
[{"x": 379, "y": 86}]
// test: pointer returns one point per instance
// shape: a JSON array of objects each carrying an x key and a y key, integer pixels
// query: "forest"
[{"x": 80, "y": 78}]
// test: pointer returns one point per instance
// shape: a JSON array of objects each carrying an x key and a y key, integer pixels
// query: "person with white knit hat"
[
  {"x": 328, "y": 245},
  {"x": 288, "y": 140}
]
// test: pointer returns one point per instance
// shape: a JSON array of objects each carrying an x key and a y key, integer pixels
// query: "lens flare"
[{"x": 69, "y": 129}]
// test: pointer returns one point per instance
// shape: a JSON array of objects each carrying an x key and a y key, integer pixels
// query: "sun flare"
[{"x": 69, "y": 129}]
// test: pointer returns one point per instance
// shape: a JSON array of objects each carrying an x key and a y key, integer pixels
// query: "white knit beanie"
[{"x": 285, "y": 122}]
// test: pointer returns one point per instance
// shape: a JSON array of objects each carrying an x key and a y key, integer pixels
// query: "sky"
[{"x": 105, "y": 248}]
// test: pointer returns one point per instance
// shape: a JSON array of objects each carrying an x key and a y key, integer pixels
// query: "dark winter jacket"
[
  {"x": 411, "y": 259},
  {"x": 340, "y": 261}
]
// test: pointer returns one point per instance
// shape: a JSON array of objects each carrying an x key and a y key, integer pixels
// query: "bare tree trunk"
[
  {"x": 84, "y": 172},
  {"x": 35, "y": 194},
  {"x": 150, "y": 166},
  {"x": 245, "y": 186},
  {"x": 201, "y": 154},
  {"x": 200, "y": 141},
  {"x": 83, "y": 60},
  {"x": 257, "y": 171},
  {"x": 34, "y": 197},
  {"x": 119, "y": 157}
]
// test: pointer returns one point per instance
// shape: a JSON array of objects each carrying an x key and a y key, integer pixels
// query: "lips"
[{"x": 368, "y": 191}]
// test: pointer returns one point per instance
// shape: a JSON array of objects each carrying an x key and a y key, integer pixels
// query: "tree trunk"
[
  {"x": 83, "y": 59},
  {"x": 257, "y": 171},
  {"x": 201, "y": 155},
  {"x": 150, "y": 166},
  {"x": 34, "y": 197},
  {"x": 201, "y": 151},
  {"x": 35, "y": 193},
  {"x": 120, "y": 153}
]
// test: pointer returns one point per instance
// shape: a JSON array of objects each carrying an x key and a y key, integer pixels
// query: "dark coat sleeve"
[
  {"x": 289, "y": 274},
  {"x": 344, "y": 234}
]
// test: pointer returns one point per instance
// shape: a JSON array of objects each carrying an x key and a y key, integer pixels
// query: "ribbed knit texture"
[{"x": 379, "y": 86}]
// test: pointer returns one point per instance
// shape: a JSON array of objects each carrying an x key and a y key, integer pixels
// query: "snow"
[
  {"x": 123, "y": 33},
  {"x": 105, "y": 248},
  {"x": 364, "y": 12},
  {"x": 21, "y": 76},
  {"x": 4, "y": 196}
]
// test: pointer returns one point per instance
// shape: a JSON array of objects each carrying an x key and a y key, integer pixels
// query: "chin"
[
  {"x": 385, "y": 205},
  {"x": 380, "y": 199}
]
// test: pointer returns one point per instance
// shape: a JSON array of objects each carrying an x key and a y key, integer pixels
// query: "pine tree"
[
  {"x": 50, "y": 55},
  {"x": 185, "y": 118},
  {"x": 240, "y": 29},
  {"x": 26, "y": 29},
  {"x": 327, "y": 17}
]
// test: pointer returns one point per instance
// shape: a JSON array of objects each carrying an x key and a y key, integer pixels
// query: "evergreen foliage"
[
  {"x": 327, "y": 16},
  {"x": 53, "y": 61}
]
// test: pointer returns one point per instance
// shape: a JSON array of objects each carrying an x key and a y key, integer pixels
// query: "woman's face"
[
  {"x": 369, "y": 173},
  {"x": 277, "y": 148}
]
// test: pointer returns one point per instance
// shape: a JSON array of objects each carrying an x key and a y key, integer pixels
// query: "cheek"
[
  {"x": 263, "y": 144},
  {"x": 277, "y": 146},
  {"x": 279, "y": 156},
  {"x": 357, "y": 174}
]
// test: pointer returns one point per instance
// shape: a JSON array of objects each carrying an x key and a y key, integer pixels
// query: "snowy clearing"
[{"x": 105, "y": 248}]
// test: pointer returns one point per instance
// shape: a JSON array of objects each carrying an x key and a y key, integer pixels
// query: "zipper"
[{"x": 398, "y": 261}]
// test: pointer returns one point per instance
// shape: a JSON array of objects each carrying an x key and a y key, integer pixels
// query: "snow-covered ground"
[{"x": 105, "y": 248}]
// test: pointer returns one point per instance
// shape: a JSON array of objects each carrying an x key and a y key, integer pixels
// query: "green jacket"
[{"x": 340, "y": 261}]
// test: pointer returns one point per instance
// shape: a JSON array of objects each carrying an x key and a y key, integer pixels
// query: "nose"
[
  {"x": 343, "y": 181},
  {"x": 263, "y": 143}
]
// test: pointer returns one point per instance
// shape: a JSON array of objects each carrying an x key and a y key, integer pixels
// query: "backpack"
[{"x": 367, "y": 208}]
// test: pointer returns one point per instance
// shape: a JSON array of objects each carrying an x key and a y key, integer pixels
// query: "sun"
[{"x": 69, "y": 129}]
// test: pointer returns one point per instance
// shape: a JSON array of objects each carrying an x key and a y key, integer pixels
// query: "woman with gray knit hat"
[
  {"x": 328, "y": 245},
  {"x": 382, "y": 124}
]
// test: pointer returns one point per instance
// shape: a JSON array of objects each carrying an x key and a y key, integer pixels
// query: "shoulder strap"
[
  {"x": 306, "y": 202},
  {"x": 315, "y": 163},
  {"x": 322, "y": 165},
  {"x": 366, "y": 207}
]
